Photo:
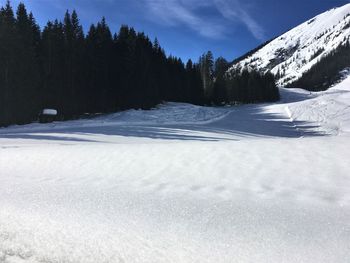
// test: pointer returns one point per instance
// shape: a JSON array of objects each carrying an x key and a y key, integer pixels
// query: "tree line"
[
  {"x": 242, "y": 86},
  {"x": 63, "y": 68}
]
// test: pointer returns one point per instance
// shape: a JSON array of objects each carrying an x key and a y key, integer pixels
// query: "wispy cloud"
[
  {"x": 177, "y": 12},
  {"x": 187, "y": 13},
  {"x": 233, "y": 10}
]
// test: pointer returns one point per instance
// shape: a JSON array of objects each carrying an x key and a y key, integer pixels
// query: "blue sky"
[{"x": 187, "y": 28}]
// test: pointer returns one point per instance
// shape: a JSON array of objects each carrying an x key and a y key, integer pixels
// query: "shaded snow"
[{"x": 182, "y": 183}]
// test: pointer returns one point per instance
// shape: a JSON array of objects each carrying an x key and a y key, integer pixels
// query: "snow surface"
[
  {"x": 182, "y": 183},
  {"x": 296, "y": 51}
]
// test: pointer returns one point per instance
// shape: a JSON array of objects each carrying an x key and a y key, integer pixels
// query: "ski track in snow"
[{"x": 182, "y": 183}]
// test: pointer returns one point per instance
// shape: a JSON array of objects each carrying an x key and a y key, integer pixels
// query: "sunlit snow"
[{"x": 182, "y": 183}]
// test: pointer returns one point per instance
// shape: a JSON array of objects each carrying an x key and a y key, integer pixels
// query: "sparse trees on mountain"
[{"x": 326, "y": 72}]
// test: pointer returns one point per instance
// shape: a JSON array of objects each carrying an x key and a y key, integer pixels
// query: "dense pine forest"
[
  {"x": 63, "y": 68},
  {"x": 326, "y": 72}
]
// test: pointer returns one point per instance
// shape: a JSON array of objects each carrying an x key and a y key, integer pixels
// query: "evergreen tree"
[
  {"x": 74, "y": 61},
  {"x": 220, "y": 89},
  {"x": 252, "y": 87},
  {"x": 206, "y": 63},
  {"x": 27, "y": 68},
  {"x": 52, "y": 57},
  {"x": 8, "y": 66},
  {"x": 100, "y": 46}
]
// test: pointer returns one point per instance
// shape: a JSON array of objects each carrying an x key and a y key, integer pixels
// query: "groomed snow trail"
[{"x": 182, "y": 183}]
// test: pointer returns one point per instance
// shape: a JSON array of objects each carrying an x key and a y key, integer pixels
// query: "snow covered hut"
[{"x": 47, "y": 115}]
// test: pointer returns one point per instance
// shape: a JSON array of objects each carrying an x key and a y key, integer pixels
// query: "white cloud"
[
  {"x": 185, "y": 12},
  {"x": 178, "y": 12},
  {"x": 233, "y": 10}
]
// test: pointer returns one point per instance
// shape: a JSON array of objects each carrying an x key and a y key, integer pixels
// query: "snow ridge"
[{"x": 296, "y": 51}]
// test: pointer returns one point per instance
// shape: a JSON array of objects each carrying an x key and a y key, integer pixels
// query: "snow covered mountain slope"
[{"x": 296, "y": 51}]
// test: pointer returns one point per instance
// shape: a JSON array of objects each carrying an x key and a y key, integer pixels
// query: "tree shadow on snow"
[
  {"x": 47, "y": 136},
  {"x": 293, "y": 95},
  {"x": 244, "y": 121}
]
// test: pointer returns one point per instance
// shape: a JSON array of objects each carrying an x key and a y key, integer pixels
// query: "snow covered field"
[{"x": 182, "y": 183}]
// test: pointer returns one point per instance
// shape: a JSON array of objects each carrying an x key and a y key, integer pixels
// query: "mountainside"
[{"x": 297, "y": 51}]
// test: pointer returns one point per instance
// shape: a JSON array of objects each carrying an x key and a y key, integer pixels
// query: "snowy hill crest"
[{"x": 295, "y": 52}]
